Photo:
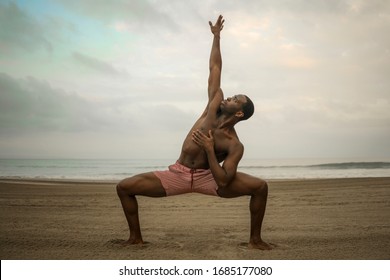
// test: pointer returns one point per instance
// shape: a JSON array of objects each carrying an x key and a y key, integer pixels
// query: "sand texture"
[{"x": 307, "y": 219}]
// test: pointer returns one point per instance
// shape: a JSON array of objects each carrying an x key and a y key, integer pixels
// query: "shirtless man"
[{"x": 211, "y": 141}]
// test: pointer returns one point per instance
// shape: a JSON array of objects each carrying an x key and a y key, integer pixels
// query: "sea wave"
[
  {"x": 354, "y": 165},
  {"x": 119, "y": 169},
  {"x": 342, "y": 165}
]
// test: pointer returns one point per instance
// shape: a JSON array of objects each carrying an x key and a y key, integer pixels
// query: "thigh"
[
  {"x": 242, "y": 184},
  {"x": 143, "y": 184}
]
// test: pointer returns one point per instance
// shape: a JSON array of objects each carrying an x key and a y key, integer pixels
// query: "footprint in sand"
[
  {"x": 122, "y": 243},
  {"x": 244, "y": 246}
]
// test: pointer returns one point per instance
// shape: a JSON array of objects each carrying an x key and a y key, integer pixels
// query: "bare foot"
[{"x": 260, "y": 245}]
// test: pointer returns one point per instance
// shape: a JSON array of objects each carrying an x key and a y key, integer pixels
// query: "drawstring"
[{"x": 192, "y": 171}]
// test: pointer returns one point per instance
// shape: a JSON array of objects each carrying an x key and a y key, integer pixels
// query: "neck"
[{"x": 226, "y": 121}]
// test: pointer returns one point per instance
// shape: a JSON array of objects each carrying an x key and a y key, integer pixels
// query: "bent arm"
[{"x": 223, "y": 175}]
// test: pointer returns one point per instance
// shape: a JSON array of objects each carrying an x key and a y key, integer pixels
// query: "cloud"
[
  {"x": 318, "y": 112},
  {"x": 304, "y": 7},
  {"x": 139, "y": 14},
  {"x": 38, "y": 120},
  {"x": 20, "y": 30},
  {"x": 316, "y": 70},
  {"x": 33, "y": 105},
  {"x": 97, "y": 65}
]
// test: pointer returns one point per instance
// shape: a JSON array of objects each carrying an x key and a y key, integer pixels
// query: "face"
[{"x": 233, "y": 104}]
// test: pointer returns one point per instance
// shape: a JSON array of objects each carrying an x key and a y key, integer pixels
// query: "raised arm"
[{"x": 215, "y": 63}]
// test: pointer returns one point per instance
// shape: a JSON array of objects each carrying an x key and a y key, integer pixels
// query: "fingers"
[
  {"x": 202, "y": 140},
  {"x": 197, "y": 137},
  {"x": 220, "y": 22},
  {"x": 196, "y": 141}
]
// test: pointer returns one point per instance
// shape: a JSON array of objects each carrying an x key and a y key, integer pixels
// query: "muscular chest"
[
  {"x": 222, "y": 140},
  {"x": 221, "y": 145}
]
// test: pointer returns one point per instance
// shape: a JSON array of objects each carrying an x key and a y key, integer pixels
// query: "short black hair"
[{"x": 248, "y": 109}]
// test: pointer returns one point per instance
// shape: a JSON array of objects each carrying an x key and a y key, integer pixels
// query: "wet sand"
[{"x": 307, "y": 219}]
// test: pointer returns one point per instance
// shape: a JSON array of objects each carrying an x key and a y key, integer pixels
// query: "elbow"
[
  {"x": 215, "y": 66},
  {"x": 223, "y": 183}
]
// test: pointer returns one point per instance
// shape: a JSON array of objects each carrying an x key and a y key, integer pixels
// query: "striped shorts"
[{"x": 180, "y": 179}]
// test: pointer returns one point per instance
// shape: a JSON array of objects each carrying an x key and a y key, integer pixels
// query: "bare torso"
[{"x": 194, "y": 156}]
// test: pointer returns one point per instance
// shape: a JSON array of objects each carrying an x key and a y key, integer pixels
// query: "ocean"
[{"x": 116, "y": 169}]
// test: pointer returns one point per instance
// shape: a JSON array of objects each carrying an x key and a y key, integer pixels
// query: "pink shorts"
[{"x": 180, "y": 179}]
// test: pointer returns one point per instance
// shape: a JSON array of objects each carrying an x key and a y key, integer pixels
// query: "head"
[
  {"x": 247, "y": 108},
  {"x": 241, "y": 106}
]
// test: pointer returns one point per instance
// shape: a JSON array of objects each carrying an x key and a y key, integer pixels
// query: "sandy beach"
[{"x": 307, "y": 219}]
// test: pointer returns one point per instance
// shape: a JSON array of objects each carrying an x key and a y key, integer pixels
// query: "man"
[{"x": 211, "y": 140}]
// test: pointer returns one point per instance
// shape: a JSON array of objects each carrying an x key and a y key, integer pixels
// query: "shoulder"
[
  {"x": 237, "y": 145},
  {"x": 214, "y": 102},
  {"x": 234, "y": 154},
  {"x": 236, "y": 148}
]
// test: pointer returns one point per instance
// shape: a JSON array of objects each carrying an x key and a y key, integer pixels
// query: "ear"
[{"x": 239, "y": 114}]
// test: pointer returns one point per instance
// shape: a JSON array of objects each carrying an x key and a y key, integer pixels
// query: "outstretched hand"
[
  {"x": 202, "y": 140},
  {"x": 218, "y": 26}
]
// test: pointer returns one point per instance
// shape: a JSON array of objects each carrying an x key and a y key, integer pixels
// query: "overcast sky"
[{"x": 127, "y": 79}]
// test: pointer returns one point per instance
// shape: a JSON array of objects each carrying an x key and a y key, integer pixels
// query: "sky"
[{"x": 127, "y": 79}]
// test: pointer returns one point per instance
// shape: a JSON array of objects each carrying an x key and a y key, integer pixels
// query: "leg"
[
  {"x": 244, "y": 184},
  {"x": 146, "y": 184}
]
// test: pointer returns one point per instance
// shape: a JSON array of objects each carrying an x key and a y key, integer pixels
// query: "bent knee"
[
  {"x": 262, "y": 187},
  {"x": 120, "y": 189},
  {"x": 124, "y": 187}
]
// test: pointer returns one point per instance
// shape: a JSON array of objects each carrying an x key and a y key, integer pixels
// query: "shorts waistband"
[{"x": 187, "y": 169}]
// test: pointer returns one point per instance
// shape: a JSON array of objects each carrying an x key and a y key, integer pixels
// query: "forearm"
[
  {"x": 215, "y": 63},
  {"x": 215, "y": 55},
  {"x": 219, "y": 174}
]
